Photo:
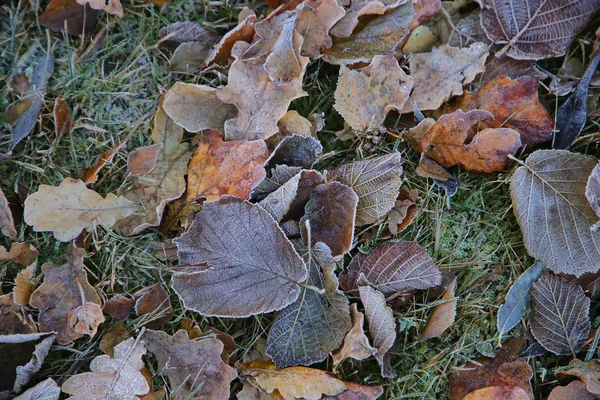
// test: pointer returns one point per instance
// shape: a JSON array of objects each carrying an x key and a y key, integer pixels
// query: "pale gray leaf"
[
  {"x": 252, "y": 266},
  {"x": 296, "y": 151},
  {"x": 45, "y": 390},
  {"x": 26, "y": 372},
  {"x": 560, "y": 318},
  {"x": 278, "y": 176},
  {"x": 592, "y": 192},
  {"x": 186, "y": 31}
]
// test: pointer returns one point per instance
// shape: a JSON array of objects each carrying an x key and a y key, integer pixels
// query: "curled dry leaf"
[
  {"x": 498, "y": 392},
  {"x": 45, "y": 390},
  {"x": 221, "y": 53},
  {"x": 23, "y": 253},
  {"x": 194, "y": 367},
  {"x": 443, "y": 315},
  {"x": 80, "y": 20},
  {"x": 356, "y": 344},
  {"x": 25, "y": 283},
  {"x": 157, "y": 304},
  {"x": 112, "y": 378},
  {"x": 441, "y": 74},
  {"x": 239, "y": 254},
  {"x": 454, "y": 140},
  {"x": 573, "y": 391},
  {"x": 260, "y": 103},
  {"x": 64, "y": 290},
  {"x": 70, "y": 208},
  {"x": 331, "y": 212},
  {"x": 376, "y": 181},
  {"x": 359, "y": 8},
  {"x": 404, "y": 211},
  {"x": 552, "y": 183},
  {"x": 588, "y": 372},
  {"x": 110, "y": 6},
  {"x": 427, "y": 168},
  {"x": 559, "y": 318},
  {"x": 119, "y": 307},
  {"x": 91, "y": 175},
  {"x": 7, "y": 223},
  {"x": 393, "y": 267},
  {"x": 365, "y": 96}
]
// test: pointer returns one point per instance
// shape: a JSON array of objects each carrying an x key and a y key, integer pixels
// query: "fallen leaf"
[
  {"x": 155, "y": 303},
  {"x": 314, "y": 23},
  {"x": 361, "y": 8},
  {"x": 115, "y": 334},
  {"x": 510, "y": 68},
  {"x": 194, "y": 367},
  {"x": 22, "y": 253},
  {"x": 382, "y": 326},
  {"x": 63, "y": 119},
  {"x": 498, "y": 392},
  {"x": 247, "y": 255},
  {"x": 45, "y": 390},
  {"x": 356, "y": 344},
  {"x": 306, "y": 331},
  {"x": 559, "y": 317},
  {"x": 25, "y": 283},
  {"x": 552, "y": 183},
  {"x": 196, "y": 107},
  {"x": 573, "y": 391},
  {"x": 12, "y": 319},
  {"x": 517, "y": 299},
  {"x": 441, "y": 74},
  {"x": 175, "y": 34},
  {"x": 292, "y": 123},
  {"x": 588, "y": 372},
  {"x": 84, "y": 320},
  {"x": 357, "y": 392},
  {"x": 376, "y": 181},
  {"x": 427, "y": 168},
  {"x": 403, "y": 212},
  {"x": 65, "y": 288},
  {"x": 157, "y": 174},
  {"x": 534, "y": 29},
  {"x": 7, "y": 223},
  {"x": 119, "y": 307},
  {"x": 393, "y": 267},
  {"x": 295, "y": 151},
  {"x": 278, "y": 177},
  {"x": 110, "y": 6},
  {"x": 592, "y": 193},
  {"x": 331, "y": 212},
  {"x": 454, "y": 140},
  {"x": 365, "y": 96},
  {"x": 221, "y": 53},
  {"x": 189, "y": 57},
  {"x": 443, "y": 315},
  {"x": 260, "y": 103},
  {"x": 467, "y": 31},
  {"x": 80, "y": 20},
  {"x": 91, "y": 175},
  {"x": 112, "y": 378},
  {"x": 572, "y": 114}
]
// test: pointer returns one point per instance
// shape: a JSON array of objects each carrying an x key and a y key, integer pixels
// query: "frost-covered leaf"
[
  {"x": 517, "y": 299},
  {"x": 587, "y": 371},
  {"x": 45, "y": 390},
  {"x": 573, "y": 391},
  {"x": 155, "y": 303},
  {"x": 498, "y": 392},
  {"x": 360, "y": 8},
  {"x": 242, "y": 263},
  {"x": 119, "y": 307},
  {"x": 376, "y": 181},
  {"x": 220, "y": 55},
  {"x": 592, "y": 193},
  {"x": 23, "y": 253},
  {"x": 7, "y": 224},
  {"x": 86, "y": 318},
  {"x": 296, "y": 151},
  {"x": 443, "y": 315},
  {"x": 110, "y": 6},
  {"x": 306, "y": 331},
  {"x": 194, "y": 367},
  {"x": 548, "y": 196},
  {"x": 559, "y": 318},
  {"x": 112, "y": 378},
  {"x": 404, "y": 211},
  {"x": 25, "y": 283},
  {"x": 314, "y": 22},
  {"x": 279, "y": 176},
  {"x": 356, "y": 344}
]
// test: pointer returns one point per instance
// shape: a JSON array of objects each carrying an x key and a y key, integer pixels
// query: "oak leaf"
[
  {"x": 7, "y": 223},
  {"x": 84, "y": 320},
  {"x": 314, "y": 22},
  {"x": 25, "y": 283},
  {"x": 588, "y": 372},
  {"x": 221, "y": 53},
  {"x": 110, "y": 6},
  {"x": 356, "y": 344},
  {"x": 443, "y": 315}
]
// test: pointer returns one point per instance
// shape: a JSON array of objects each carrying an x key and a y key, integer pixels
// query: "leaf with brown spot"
[
  {"x": 376, "y": 181},
  {"x": 356, "y": 344},
  {"x": 454, "y": 140},
  {"x": 498, "y": 392},
  {"x": 260, "y": 103},
  {"x": 22, "y": 253},
  {"x": 443, "y": 315},
  {"x": 84, "y": 320},
  {"x": 362, "y": 8},
  {"x": 194, "y": 367},
  {"x": 63, "y": 119},
  {"x": 331, "y": 212},
  {"x": 64, "y": 289},
  {"x": 91, "y": 175},
  {"x": 80, "y": 20},
  {"x": 157, "y": 304},
  {"x": 404, "y": 211},
  {"x": 221, "y": 53},
  {"x": 119, "y": 307},
  {"x": 7, "y": 223},
  {"x": 573, "y": 391},
  {"x": 110, "y": 6},
  {"x": 25, "y": 283},
  {"x": 365, "y": 96}
]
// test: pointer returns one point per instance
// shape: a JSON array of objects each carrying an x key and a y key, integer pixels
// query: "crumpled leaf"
[
  {"x": 260, "y": 103},
  {"x": 382, "y": 326},
  {"x": 25, "y": 283},
  {"x": 240, "y": 255},
  {"x": 23, "y": 253},
  {"x": 119, "y": 307},
  {"x": 112, "y": 378},
  {"x": 559, "y": 317},
  {"x": 454, "y": 140},
  {"x": 65, "y": 288},
  {"x": 86, "y": 318},
  {"x": 498, "y": 392},
  {"x": 535, "y": 29},
  {"x": 80, "y": 20},
  {"x": 376, "y": 181},
  {"x": 110, "y": 6},
  {"x": 157, "y": 174},
  {"x": 548, "y": 196},
  {"x": 157, "y": 303},
  {"x": 365, "y": 96},
  {"x": 361, "y": 8},
  {"x": 194, "y": 367},
  {"x": 573, "y": 391},
  {"x": 45, "y": 390},
  {"x": 296, "y": 151},
  {"x": 427, "y": 168},
  {"x": 403, "y": 212},
  {"x": 443, "y": 315},
  {"x": 221, "y": 53},
  {"x": 331, "y": 211},
  {"x": 196, "y": 107},
  {"x": 393, "y": 267},
  {"x": 91, "y": 175},
  {"x": 441, "y": 74},
  {"x": 7, "y": 223},
  {"x": 306, "y": 331},
  {"x": 356, "y": 344},
  {"x": 70, "y": 208},
  {"x": 314, "y": 22},
  {"x": 517, "y": 299},
  {"x": 588, "y": 372}
]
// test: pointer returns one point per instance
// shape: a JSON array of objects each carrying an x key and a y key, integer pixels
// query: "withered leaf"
[
  {"x": 441, "y": 74},
  {"x": 365, "y": 96},
  {"x": 511, "y": 68},
  {"x": 331, "y": 212},
  {"x": 110, "y": 6},
  {"x": 296, "y": 151},
  {"x": 45, "y": 390},
  {"x": 181, "y": 32},
  {"x": 314, "y": 22},
  {"x": 360, "y": 8},
  {"x": 64, "y": 289},
  {"x": 115, "y": 334},
  {"x": 194, "y": 367},
  {"x": 157, "y": 174},
  {"x": 291, "y": 123},
  {"x": 548, "y": 196},
  {"x": 189, "y": 57},
  {"x": 382, "y": 326},
  {"x": 7, "y": 223},
  {"x": 63, "y": 119},
  {"x": 196, "y": 107},
  {"x": 393, "y": 267},
  {"x": 260, "y": 103},
  {"x": 112, "y": 378},
  {"x": 70, "y": 208},
  {"x": 404, "y": 211},
  {"x": 157, "y": 304},
  {"x": 25, "y": 283},
  {"x": 91, "y": 175},
  {"x": 588, "y": 372},
  {"x": 84, "y": 320},
  {"x": 23, "y": 253},
  {"x": 427, "y": 168},
  {"x": 356, "y": 344},
  {"x": 443, "y": 315},
  {"x": 306, "y": 331},
  {"x": 535, "y": 29},
  {"x": 80, "y": 20},
  {"x": 573, "y": 391},
  {"x": 252, "y": 267},
  {"x": 376, "y": 181},
  {"x": 559, "y": 314},
  {"x": 498, "y": 392},
  {"x": 221, "y": 53},
  {"x": 119, "y": 307},
  {"x": 592, "y": 193},
  {"x": 279, "y": 176}
]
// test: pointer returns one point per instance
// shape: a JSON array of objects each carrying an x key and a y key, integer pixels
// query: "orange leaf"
[{"x": 91, "y": 175}]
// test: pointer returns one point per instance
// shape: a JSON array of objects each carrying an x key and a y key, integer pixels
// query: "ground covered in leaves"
[{"x": 418, "y": 157}]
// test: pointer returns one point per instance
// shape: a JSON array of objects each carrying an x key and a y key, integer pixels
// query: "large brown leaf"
[
  {"x": 535, "y": 29},
  {"x": 194, "y": 367},
  {"x": 548, "y": 196},
  {"x": 79, "y": 19},
  {"x": 244, "y": 264}
]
